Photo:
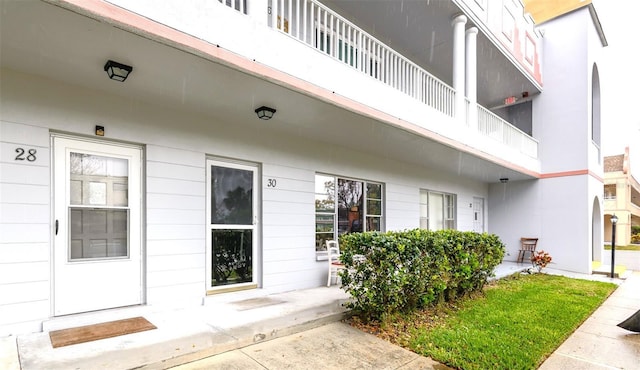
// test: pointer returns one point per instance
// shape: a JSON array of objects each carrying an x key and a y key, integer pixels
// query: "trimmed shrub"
[{"x": 406, "y": 270}]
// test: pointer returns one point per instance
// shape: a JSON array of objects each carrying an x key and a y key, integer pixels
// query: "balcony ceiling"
[
  {"x": 422, "y": 31},
  {"x": 46, "y": 40}
]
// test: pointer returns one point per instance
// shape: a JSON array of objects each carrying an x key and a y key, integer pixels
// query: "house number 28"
[{"x": 28, "y": 155}]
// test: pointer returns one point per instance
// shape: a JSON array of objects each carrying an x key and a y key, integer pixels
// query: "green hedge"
[{"x": 406, "y": 270}]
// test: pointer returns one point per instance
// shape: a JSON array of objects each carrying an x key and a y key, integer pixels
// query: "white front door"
[
  {"x": 478, "y": 215},
  {"x": 97, "y": 238}
]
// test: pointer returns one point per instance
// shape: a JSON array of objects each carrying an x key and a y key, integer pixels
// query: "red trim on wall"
[{"x": 572, "y": 173}]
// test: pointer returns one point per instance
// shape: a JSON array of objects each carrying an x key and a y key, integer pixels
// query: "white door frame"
[
  {"x": 254, "y": 168},
  {"x": 82, "y": 284},
  {"x": 478, "y": 215}
]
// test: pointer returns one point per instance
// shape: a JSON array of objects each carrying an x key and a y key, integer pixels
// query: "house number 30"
[
  {"x": 271, "y": 183},
  {"x": 28, "y": 155}
]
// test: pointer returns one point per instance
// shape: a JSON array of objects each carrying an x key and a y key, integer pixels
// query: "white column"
[
  {"x": 471, "y": 77},
  {"x": 458, "y": 64}
]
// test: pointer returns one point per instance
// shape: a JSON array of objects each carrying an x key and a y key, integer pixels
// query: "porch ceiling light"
[
  {"x": 117, "y": 71},
  {"x": 265, "y": 113},
  {"x": 614, "y": 219}
]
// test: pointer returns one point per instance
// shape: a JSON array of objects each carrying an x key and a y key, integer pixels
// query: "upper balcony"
[
  {"x": 389, "y": 60},
  {"x": 416, "y": 59}
]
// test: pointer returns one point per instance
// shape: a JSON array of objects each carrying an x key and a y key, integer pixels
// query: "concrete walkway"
[
  {"x": 332, "y": 346},
  {"x": 599, "y": 343},
  {"x": 301, "y": 330}
]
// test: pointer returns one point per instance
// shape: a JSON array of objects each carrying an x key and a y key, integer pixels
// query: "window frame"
[
  {"x": 449, "y": 210},
  {"x": 365, "y": 200},
  {"x": 610, "y": 191}
]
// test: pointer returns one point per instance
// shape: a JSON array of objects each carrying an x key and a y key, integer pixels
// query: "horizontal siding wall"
[
  {"x": 175, "y": 224},
  {"x": 177, "y": 144},
  {"x": 24, "y": 227},
  {"x": 288, "y": 228}
]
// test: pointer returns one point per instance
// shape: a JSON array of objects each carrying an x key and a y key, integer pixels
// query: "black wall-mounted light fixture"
[
  {"x": 504, "y": 180},
  {"x": 117, "y": 71},
  {"x": 265, "y": 113}
]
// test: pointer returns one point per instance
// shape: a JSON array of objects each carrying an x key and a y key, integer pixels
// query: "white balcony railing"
[
  {"x": 239, "y": 5},
  {"x": 495, "y": 127},
  {"x": 327, "y": 31}
]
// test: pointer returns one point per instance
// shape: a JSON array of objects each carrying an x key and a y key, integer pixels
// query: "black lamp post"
[{"x": 614, "y": 221}]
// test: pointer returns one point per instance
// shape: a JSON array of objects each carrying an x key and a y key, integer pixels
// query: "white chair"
[{"x": 333, "y": 257}]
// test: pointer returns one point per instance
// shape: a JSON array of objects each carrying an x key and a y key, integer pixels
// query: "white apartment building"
[{"x": 167, "y": 187}]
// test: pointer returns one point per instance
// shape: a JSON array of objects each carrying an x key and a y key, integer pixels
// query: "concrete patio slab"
[{"x": 332, "y": 346}]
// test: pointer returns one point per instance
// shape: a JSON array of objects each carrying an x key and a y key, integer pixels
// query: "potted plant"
[{"x": 540, "y": 260}]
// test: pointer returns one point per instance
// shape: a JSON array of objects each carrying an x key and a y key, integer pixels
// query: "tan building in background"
[{"x": 621, "y": 197}]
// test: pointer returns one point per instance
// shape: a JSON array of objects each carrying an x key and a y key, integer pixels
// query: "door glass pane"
[
  {"x": 98, "y": 233},
  {"x": 231, "y": 257},
  {"x": 98, "y": 180},
  {"x": 231, "y": 196}
]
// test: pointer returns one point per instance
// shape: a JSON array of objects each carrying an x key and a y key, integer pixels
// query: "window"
[
  {"x": 346, "y": 206},
  {"x": 595, "y": 107},
  {"x": 437, "y": 210},
  {"x": 610, "y": 191}
]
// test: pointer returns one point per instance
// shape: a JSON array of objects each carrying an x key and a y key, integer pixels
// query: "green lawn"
[{"x": 516, "y": 324}]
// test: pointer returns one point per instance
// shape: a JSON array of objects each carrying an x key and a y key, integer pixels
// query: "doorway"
[
  {"x": 478, "y": 215},
  {"x": 232, "y": 218},
  {"x": 97, "y": 256}
]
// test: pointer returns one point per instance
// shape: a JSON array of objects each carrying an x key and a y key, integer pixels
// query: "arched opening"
[
  {"x": 607, "y": 229},
  {"x": 595, "y": 106},
  {"x": 596, "y": 231}
]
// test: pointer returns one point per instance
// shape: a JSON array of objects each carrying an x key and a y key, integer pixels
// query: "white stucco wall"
[
  {"x": 556, "y": 210},
  {"x": 561, "y": 115},
  {"x": 515, "y": 212},
  {"x": 559, "y": 206}
]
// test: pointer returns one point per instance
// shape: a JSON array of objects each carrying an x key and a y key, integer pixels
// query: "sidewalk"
[
  {"x": 598, "y": 343},
  {"x": 237, "y": 327}
]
